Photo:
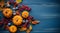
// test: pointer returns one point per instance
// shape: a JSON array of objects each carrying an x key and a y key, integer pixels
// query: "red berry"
[
  {"x": 1, "y": 22},
  {"x": 5, "y": 21},
  {"x": 21, "y": 9},
  {"x": 30, "y": 17},
  {"x": 11, "y": 1}
]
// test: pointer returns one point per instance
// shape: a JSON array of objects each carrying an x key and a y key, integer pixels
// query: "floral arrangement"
[{"x": 16, "y": 16}]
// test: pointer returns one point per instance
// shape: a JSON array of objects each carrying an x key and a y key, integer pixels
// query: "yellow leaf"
[
  {"x": 28, "y": 31},
  {"x": 30, "y": 28},
  {"x": 18, "y": 1},
  {"x": 22, "y": 29}
]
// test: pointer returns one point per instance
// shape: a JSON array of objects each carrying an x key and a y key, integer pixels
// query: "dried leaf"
[
  {"x": 23, "y": 28},
  {"x": 30, "y": 28},
  {"x": 35, "y": 22},
  {"x": 28, "y": 31}
]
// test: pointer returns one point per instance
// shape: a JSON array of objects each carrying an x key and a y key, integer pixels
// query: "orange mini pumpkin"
[
  {"x": 25, "y": 14},
  {"x": 7, "y": 12},
  {"x": 12, "y": 28},
  {"x": 17, "y": 20}
]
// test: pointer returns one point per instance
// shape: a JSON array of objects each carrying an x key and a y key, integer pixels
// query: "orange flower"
[
  {"x": 17, "y": 20},
  {"x": 25, "y": 14},
  {"x": 12, "y": 28},
  {"x": 7, "y": 12}
]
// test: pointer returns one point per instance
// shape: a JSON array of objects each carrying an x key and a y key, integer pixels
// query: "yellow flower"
[
  {"x": 7, "y": 12},
  {"x": 25, "y": 14},
  {"x": 12, "y": 28},
  {"x": 17, "y": 20}
]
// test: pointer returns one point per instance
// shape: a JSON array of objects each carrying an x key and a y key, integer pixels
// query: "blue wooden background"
[{"x": 47, "y": 12}]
